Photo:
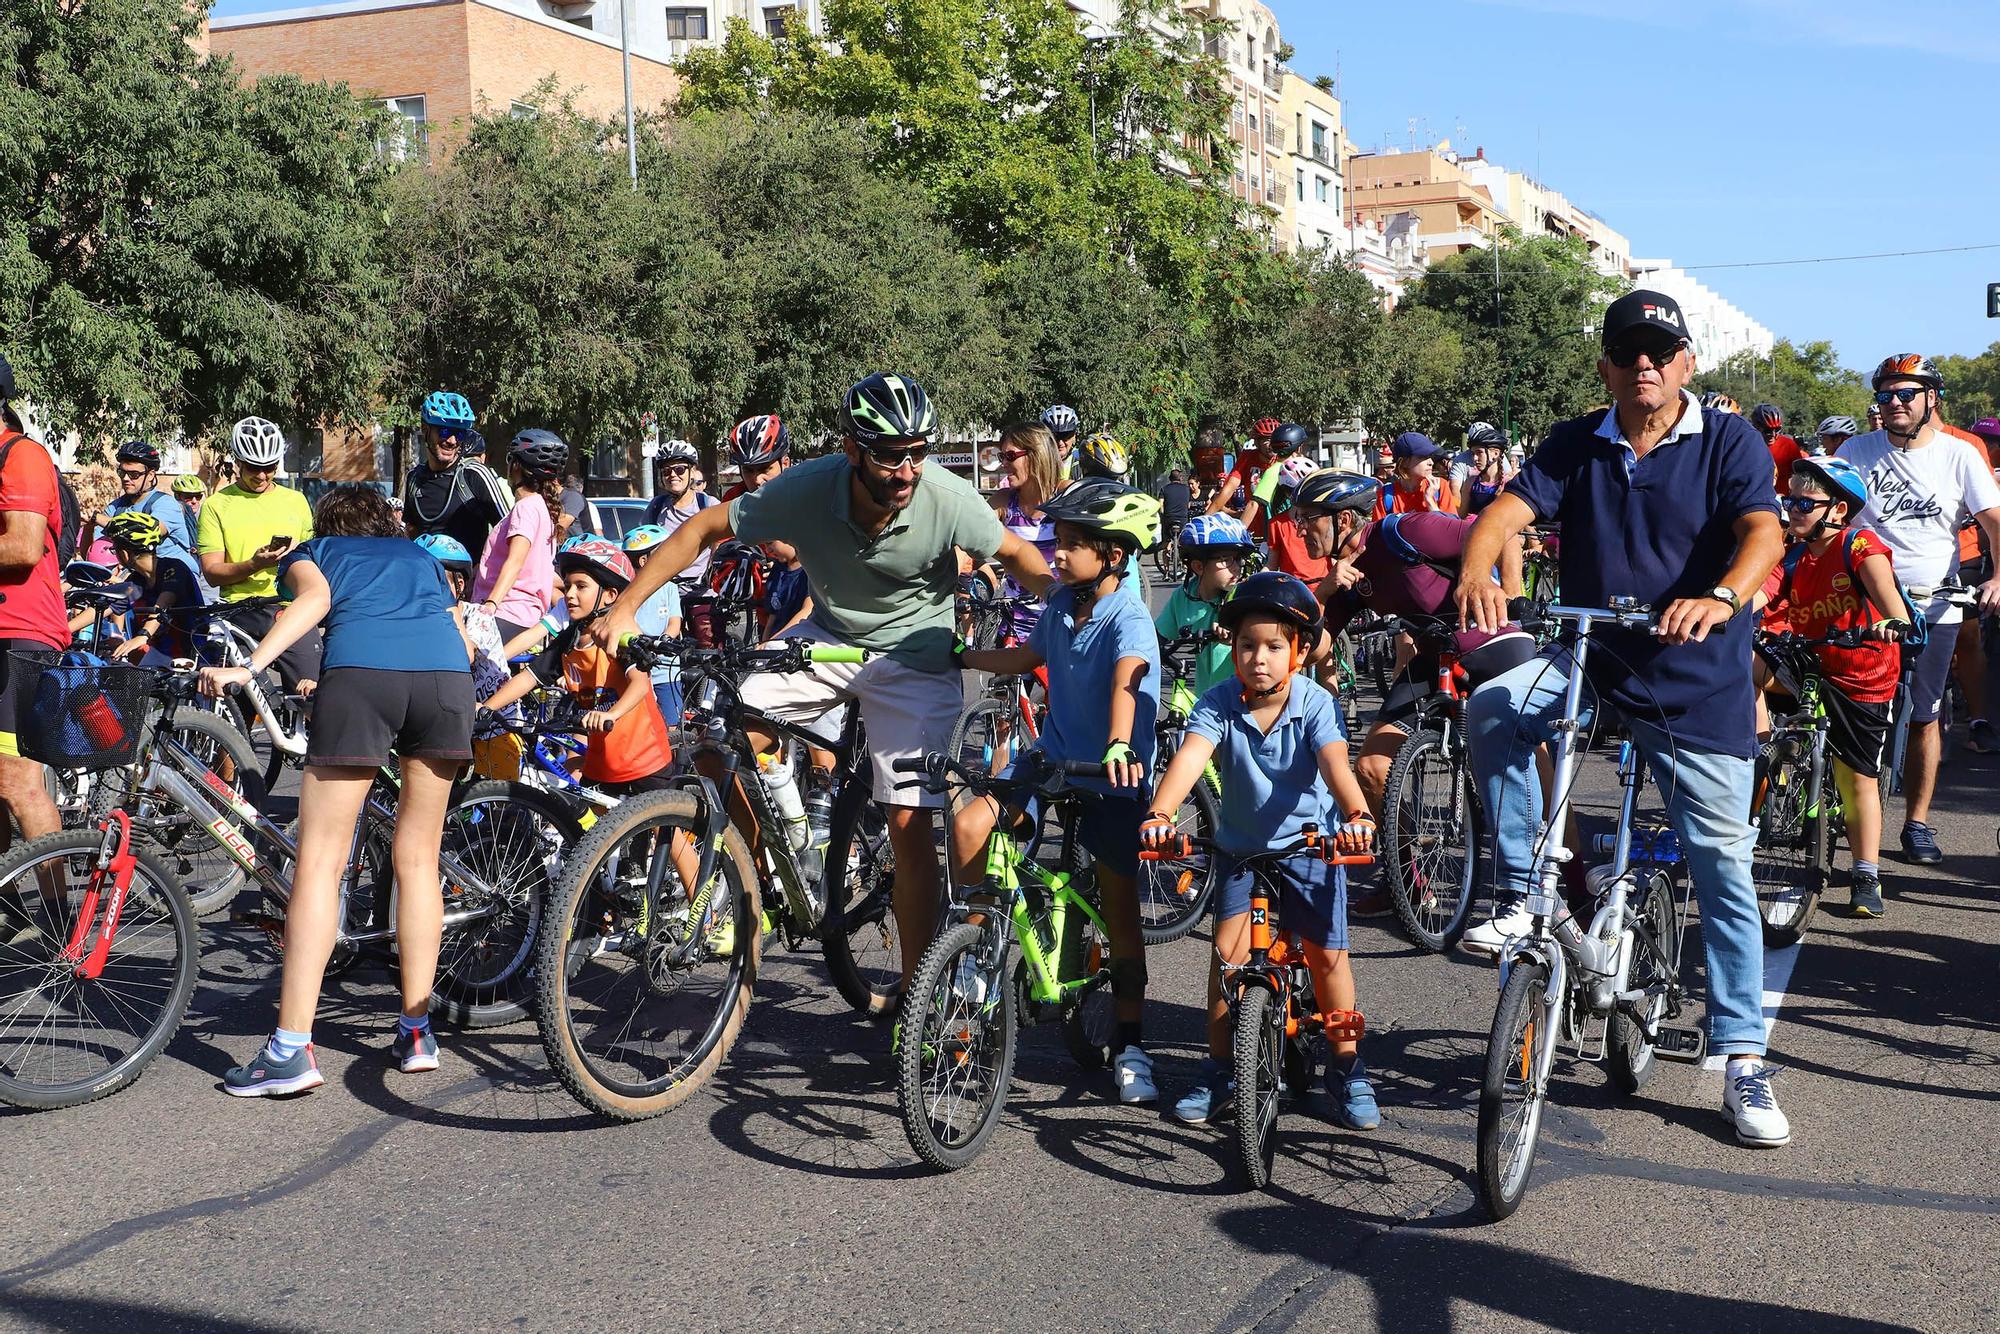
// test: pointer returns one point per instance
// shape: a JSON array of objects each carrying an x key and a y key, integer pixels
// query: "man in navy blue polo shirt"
[{"x": 1664, "y": 502}]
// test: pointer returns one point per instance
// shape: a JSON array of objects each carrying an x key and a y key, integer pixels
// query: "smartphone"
[{"x": 281, "y": 539}]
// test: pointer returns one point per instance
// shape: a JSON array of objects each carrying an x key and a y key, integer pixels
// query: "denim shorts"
[
  {"x": 1108, "y": 828},
  {"x": 1312, "y": 898}
]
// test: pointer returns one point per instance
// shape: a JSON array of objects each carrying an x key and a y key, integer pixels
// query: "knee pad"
[{"x": 1128, "y": 978}]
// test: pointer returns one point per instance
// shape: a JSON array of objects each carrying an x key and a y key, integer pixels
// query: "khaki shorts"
[{"x": 906, "y": 712}]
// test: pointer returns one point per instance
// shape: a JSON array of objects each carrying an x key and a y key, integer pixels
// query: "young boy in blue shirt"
[
  {"x": 1103, "y": 660},
  {"x": 1280, "y": 744},
  {"x": 1216, "y": 548}
]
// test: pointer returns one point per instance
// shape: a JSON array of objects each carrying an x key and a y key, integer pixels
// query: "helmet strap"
[
  {"x": 1908, "y": 441},
  {"x": 1252, "y": 695}
]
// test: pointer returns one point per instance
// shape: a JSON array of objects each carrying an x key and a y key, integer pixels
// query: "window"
[
  {"x": 409, "y": 136},
  {"x": 1319, "y": 188},
  {"x": 687, "y": 25},
  {"x": 777, "y": 18},
  {"x": 1319, "y": 146},
  {"x": 1302, "y": 187},
  {"x": 523, "y": 110}
]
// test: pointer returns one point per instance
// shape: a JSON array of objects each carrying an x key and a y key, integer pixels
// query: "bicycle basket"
[{"x": 83, "y": 713}]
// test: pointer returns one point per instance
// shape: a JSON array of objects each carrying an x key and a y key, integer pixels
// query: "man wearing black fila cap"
[{"x": 1663, "y": 502}]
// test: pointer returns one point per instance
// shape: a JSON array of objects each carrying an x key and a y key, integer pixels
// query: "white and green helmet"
[{"x": 889, "y": 407}]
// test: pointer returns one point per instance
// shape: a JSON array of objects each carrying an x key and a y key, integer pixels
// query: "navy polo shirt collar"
[{"x": 1689, "y": 424}]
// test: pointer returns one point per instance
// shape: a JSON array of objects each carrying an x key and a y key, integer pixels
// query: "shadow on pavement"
[{"x": 105, "y": 1313}]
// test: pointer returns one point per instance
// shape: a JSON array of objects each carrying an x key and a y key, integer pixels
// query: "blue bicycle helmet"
[
  {"x": 1331, "y": 490},
  {"x": 1209, "y": 535},
  {"x": 645, "y": 537},
  {"x": 445, "y": 409},
  {"x": 1837, "y": 477},
  {"x": 448, "y": 551}
]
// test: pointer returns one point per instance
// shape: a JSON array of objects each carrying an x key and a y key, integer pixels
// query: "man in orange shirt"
[
  {"x": 1414, "y": 486},
  {"x": 1785, "y": 451}
]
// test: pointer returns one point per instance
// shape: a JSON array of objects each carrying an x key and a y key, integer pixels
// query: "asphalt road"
[{"x": 784, "y": 1196}]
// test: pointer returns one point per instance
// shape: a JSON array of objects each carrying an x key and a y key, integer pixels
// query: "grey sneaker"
[
  {"x": 262, "y": 1077},
  {"x": 1210, "y": 1100}
]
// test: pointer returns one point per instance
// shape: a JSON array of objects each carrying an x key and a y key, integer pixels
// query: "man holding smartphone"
[{"x": 245, "y": 529}]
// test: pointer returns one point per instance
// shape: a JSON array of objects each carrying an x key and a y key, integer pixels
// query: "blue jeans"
[{"x": 1708, "y": 803}]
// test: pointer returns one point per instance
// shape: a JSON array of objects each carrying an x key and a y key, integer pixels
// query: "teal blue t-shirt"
[
  {"x": 391, "y": 607},
  {"x": 1080, "y": 659},
  {"x": 1271, "y": 785}
]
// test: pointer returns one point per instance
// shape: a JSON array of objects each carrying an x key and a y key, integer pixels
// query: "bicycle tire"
[
  {"x": 156, "y": 915},
  {"x": 981, "y": 740},
  {"x": 1629, "y": 1058},
  {"x": 211, "y": 877},
  {"x": 1792, "y": 861},
  {"x": 1517, "y": 1043},
  {"x": 934, "y": 1003},
  {"x": 1258, "y": 1052},
  {"x": 859, "y": 936},
  {"x": 512, "y": 836},
  {"x": 1174, "y": 896},
  {"x": 571, "y": 970},
  {"x": 1430, "y": 840},
  {"x": 1382, "y": 662}
]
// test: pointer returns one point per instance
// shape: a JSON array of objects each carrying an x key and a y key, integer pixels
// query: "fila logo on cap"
[{"x": 1663, "y": 315}]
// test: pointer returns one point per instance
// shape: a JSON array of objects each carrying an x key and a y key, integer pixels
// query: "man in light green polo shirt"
[{"x": 879, "y": 536}]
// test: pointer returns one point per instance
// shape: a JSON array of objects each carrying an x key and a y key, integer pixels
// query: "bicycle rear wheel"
[
  {"x": 858, "y": 935},
  {"x": 1173, "y": 896},
  {"x": 211, "y": 877},
  {"x": 66, "y": 1039},
  {"x": 1513, "y": 1090},
  {"x": 955, "y": 1057},
  {"x": 1792, "y": 861},
  {"x": 1430, "y": 840},
  {"x": 632, "y": 1019},
  {"x": 511, "y": 837},
  {"x": 1259, "y": 1052},
  {"x": 987, "y": 736}
]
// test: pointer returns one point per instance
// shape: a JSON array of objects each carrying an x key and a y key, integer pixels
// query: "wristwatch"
[{"x": 1724, "y": 593}]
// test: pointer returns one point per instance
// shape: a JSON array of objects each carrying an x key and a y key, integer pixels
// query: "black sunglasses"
[
  {"x": 1804, "y": 504},
  {"x": 133, "y": 474},
  {"x": 1626, "y": 355},
  {"x": 894, "y": 457},
  {"x": 1904, "y": 395}
]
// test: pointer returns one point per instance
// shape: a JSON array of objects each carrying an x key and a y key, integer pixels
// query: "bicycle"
[
  {"x": 1026, "y": 938},
  {"x": 1430, "y": 807},
  {"x": 1559, "y": 982},
  {"x": 1953, "y": 594},
  {"x": 101, "y": 951},
  {"x": 1276, "y": 1023},
  {"x": 645, "y": 978},
  {"x": 1796, "y": 804},
  {"x": 1173, "y": 898}
]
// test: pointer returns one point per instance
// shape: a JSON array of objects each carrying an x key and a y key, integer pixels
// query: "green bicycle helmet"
[
  {"x": 1108, "y": 509},
  {"x": 888, "y": 407}
]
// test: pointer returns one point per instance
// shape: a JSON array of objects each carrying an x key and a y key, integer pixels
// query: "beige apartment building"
[{"x": 1453, "y": 212}]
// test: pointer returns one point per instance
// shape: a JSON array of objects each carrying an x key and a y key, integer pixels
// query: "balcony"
[
  {"x": 1274, "y": 78},
  {"x": 1321, "y": 152}
]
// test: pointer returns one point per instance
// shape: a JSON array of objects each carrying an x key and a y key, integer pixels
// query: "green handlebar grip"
[
  {"x": 835, "y": 653},
  {"x": 625, "y": 639}
]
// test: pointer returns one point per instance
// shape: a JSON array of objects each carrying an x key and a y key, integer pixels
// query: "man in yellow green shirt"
[{"x": 246, "y": 528}]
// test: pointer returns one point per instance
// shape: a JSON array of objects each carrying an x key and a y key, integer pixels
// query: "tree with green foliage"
[
  {"x": 1298, "y": 336},
  {"x": 1971, "y": 386},
  {"x": 1433, "y": 377},
  {"x": 1808, "y": 384},
  {"x": 177, "y": 248}
]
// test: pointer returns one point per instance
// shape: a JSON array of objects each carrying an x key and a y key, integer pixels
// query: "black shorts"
[
  {"x": 17, "y": 690},
  {"x": 298, "y": 663},
  {"x": 1418, "y": 681},
  {"x": 361, "y": 715},
  {"x": 1857, "y": 733}
]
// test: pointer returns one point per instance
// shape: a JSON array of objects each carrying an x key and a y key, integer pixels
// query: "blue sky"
[{"x": 1714, "y": 133}]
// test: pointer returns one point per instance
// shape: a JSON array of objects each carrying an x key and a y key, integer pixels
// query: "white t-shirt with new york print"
[{"x": 1917, "y": 498}]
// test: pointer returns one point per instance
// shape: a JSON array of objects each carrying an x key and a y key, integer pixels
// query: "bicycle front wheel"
[
  {"x": 1175, "y": 895},
  {"x": 510, "y": 838},
  {"x": 1514, "y": 1090},
  {"x": 1430, "y": 840},
  {"x": 955, "y": 1055},
  {"x": 636, "y": 1011},
  {"x": 863, "y": 949},
  {"x": 1260, "y": 1082},
  {"x": 1792, "y": 861},
  {"x": 67, "y": 1039}
]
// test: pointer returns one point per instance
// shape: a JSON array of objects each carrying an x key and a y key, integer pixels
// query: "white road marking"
[{"x": 1778, "y": 965}]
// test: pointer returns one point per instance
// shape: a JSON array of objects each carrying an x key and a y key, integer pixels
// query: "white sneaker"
[
  {"x": 969, "y": 983},
  {"x": 1491, "y": 937},
  {"x": 1132, "y": 1072},
  {"x": 1747, "y": 1100}
]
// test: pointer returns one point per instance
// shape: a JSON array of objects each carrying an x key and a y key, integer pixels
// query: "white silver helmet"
[
  {"x": 257, "y": 442},
  {"x": 680, "y": 451}
]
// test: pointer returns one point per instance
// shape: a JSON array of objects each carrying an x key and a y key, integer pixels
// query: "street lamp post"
[
  {"x": 625, "y": 57},
  {"x": 1507, "y": 393}
]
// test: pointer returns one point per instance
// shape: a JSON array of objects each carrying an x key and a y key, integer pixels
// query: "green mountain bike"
[{"x": 1795, "y": 804}]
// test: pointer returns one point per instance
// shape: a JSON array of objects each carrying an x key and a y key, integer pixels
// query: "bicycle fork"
[{"x": 115, "y": 859}]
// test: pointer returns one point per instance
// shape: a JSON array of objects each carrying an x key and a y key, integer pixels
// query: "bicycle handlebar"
[
  {"x": 1182, "y": 846},
  {"x": 938, "y": 769},
  {"x": 1951, "y": 594}
]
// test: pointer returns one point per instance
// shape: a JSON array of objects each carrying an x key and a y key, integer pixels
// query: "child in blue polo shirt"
[
  {"x": 1275, "y": 735},
  {"x": 1103, "y": 660}
]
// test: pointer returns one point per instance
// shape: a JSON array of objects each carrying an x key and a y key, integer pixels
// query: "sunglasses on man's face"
[
  {"x": 892, "y": 457},
  {"x": 1626, "y": 355},
  {"x": 132, "y": 474},
  {"x": 1904, "y": 395}
]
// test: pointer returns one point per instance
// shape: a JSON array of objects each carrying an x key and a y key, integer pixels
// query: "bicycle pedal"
[{"x": 1678, "y": 1042}]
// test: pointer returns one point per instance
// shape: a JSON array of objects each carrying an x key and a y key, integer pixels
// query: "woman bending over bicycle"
[
  {"x": 1858, "y": 682},
  {"x": 396, "y": 678},
  {"x": 1104, "y": 696},
  {"x": 1281, "y": 746}
]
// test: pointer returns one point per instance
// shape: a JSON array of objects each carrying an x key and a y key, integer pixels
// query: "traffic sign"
[{"x": 1993, "y": 301}]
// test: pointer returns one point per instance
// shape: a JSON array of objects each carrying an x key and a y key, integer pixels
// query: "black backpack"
[{"x": 72, "y": 513}]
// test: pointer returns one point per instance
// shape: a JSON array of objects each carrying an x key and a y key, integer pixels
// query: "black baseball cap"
[{"x": 1643, "y": 309}]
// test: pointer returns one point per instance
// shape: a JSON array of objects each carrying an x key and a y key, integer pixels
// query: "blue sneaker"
[
  {"x": 414, "y": 1052},
  {"x": 1353, "y": 1096},
  {"x": 1920, "y": 844},
  {"x": 262, "y": 1077},
  {"x": 1210, "y": 1100}
]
